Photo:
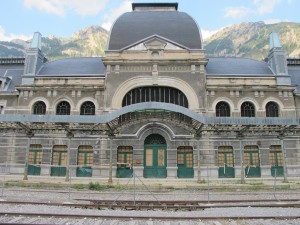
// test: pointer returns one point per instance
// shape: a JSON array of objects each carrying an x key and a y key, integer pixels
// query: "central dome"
[{"x": 148, "y": 19}]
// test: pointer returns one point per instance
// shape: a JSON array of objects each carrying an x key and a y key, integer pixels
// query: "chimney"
[
  {"x": 34, "y": 59},
  {"x": 277, "y": 60}
]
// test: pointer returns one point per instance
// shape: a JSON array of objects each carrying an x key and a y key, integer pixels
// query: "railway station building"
[{"x": 155, "y": 106}]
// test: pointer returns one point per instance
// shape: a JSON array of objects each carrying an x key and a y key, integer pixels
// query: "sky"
[{"x": 21, "y": 18}]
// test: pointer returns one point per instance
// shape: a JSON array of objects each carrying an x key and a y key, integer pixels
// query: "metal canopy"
[{"x": 149, "y": 111}]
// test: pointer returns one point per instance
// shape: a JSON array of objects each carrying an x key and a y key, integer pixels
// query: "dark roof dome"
[{"x": 149, "y": 19}]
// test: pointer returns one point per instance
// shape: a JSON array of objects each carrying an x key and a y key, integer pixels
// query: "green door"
[
  {"x": 124, "y": 169},
  {"x": 59, "y": 160},
  {"x": 276, "y": 161},
  {"x": 252, "y": 162},
  {"x": 34, "y": 159},
  {"x": 155, "y": 161},
  {"x": 85, "y": 160},
  {"x": 226, "y": 162},
  {"x": 185, "y": 162}
]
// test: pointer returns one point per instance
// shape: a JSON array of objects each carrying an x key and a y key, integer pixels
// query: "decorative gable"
[{"x": 155, "y": 44}]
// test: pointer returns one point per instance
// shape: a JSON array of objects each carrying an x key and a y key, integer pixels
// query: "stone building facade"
[{"x": 155, "y": 106}]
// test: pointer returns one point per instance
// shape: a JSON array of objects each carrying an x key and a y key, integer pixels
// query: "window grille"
[
  {"x": 155, "y": 139},
  {"x": 222, "y": 109},
  {"x": 63, "y": 108},
  {"x": 272, "y": 109},
  {"x": 87, "y": 108},
  {"x": 155, "y": 94},
  {"x": 247, "y": 110},
  {"x": 39, "y": 108}
]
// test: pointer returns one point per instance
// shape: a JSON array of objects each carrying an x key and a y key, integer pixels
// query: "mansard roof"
[
  {"x": 73, "y": 67},
  {"x": 294, "y": 72},
  {"x": 229, "y": 66},
  {"x": 134, "y": 26},
  {"x": 12, "y": 75}
]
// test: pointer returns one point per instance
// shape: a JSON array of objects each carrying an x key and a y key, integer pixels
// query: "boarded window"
[
  {"x": 125, "y": 156},
  {"x": 59, "y": 155},
  {"x": 35, "y": 154},
  {"x": 276, "y": 155},
  {"x": 85, "y": 155},
  {"x": 185, "y": 152},
  {"x": 225, "y": 156},
  {"x": 149, "y": 157},
  {"x": 251, "y": 155},
  {"x": 161, "y": 157}
]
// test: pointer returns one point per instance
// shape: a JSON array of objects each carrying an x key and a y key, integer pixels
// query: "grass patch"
[
  {"x": 79, "y": 186},
  {"x": 33, "y": 185},
  {"x": 256, "y": 183}
]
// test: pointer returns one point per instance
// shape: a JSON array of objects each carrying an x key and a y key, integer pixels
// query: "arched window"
[
  {"x": 155, "y": 94},
  {"x": 222, "y": 109},
  {"x": 87, "y": 108},
  {"x": 39, "y": 108},
  {"x": 63, "y": 108},
  {"x": 247, "y": 110},
  {"x": 272, "y": 109}
]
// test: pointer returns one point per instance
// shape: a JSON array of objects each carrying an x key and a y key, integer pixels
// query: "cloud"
[
  {"x": 111, "y": 16},
  {"x": 51, "y": 7},
  {"x": 9, "y": 37},
  {"x": 272, "y": 21},
  {"x": 59, "y": 7},
  {"x": 208, "y": 33},
  {"x": 266, "y": 6},
  {"x": 236, "y": 12}
]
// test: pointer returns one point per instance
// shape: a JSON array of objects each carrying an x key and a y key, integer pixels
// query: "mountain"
[
  {"x": 247, "y": 39},
  {"x": 251, "y": 40},
  {"x": 90, "y": 41}
]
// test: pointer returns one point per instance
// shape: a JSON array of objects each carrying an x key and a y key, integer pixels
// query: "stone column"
[
  {"x": 29, "y": 134},
  {"x": 240, "y": 137},
  {"x": 69, "y": 136},
  {"x": 110, "y": 181},
  {"x": 281, "y": 137},
  {"x": 198, "y": 161}
]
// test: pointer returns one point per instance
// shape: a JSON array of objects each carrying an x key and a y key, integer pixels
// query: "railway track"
[
  {"x": 143, "y": 217},
  {"x": 97, "y": 211},
  {"x": 166, "y": 205}
]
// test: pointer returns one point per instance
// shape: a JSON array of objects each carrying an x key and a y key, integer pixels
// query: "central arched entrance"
[{"x": 155, "y": 157}]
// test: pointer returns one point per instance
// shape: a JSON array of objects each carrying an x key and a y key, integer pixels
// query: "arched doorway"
[{"x": 155, "y": 157}]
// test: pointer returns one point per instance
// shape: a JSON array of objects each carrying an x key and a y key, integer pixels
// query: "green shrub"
[{"x": 94, "y": 186}]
